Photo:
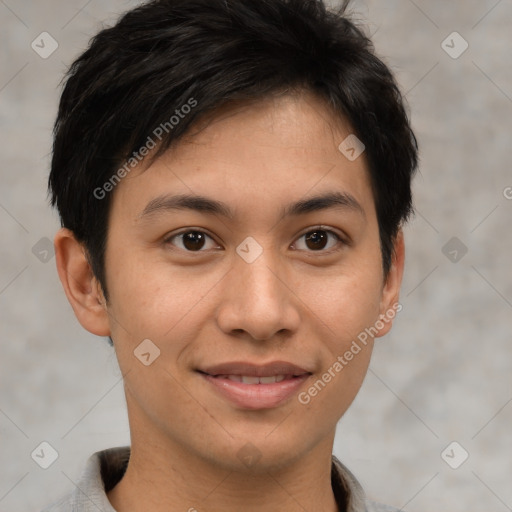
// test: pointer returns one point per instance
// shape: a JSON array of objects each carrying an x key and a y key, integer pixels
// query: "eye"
[
  {"x": 315, "y": 240},
  {"x": 318, "y": 239},
  {"x": 191, "y": 240}
]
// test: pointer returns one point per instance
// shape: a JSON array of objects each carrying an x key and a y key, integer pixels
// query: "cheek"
[
  {"x": 331, "y": 393},
  {"x": 149, "y": 297},
  {"x": 345, "y": 302},
  {"x": 349, "y": 307}
]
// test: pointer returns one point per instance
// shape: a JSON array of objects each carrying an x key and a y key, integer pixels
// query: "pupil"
[
  {"x": 317, "y": 237},
  {"x": 193, "y": 240}
]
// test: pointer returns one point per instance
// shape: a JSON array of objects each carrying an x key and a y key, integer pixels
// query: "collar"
[{"x": 105, "y": 468}]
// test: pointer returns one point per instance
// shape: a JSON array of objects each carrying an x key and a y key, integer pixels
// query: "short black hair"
[{"x": 137, "y": 77}]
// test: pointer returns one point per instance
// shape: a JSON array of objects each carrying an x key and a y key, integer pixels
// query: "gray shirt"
[{"x": 105, "y": 469}]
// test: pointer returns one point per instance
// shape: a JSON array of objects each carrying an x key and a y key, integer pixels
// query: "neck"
[{"x": 162, "y": 476}]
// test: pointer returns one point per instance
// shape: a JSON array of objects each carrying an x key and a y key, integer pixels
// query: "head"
[{"x": 293, "y": 248}]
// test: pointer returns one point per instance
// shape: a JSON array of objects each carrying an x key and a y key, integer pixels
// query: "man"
[{"x": 232, "y": 178}]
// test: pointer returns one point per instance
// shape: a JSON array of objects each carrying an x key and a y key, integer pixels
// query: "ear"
[
  {"x": 81, "y": 287},
  {"x": 389, "y": 305}
]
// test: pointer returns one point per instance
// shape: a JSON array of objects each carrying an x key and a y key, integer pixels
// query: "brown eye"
[
  {"x": 318, "y": 239},
  {"x": 191, "y": 241}
]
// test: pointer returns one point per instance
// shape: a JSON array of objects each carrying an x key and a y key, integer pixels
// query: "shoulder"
[
  {"x": 101, "y": 473},
  {"x": 356, "y": 500},
  {"x": 372, "y": 506},
  {"x": 65, "y": 504}
]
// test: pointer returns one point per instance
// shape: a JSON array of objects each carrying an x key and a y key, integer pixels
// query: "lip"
[
  {"x": 253, "y": 370},
  {"x": 256, "y": 396}
]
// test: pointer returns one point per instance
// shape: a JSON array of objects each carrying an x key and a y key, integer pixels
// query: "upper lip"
[{"x": 253, "y": 370}]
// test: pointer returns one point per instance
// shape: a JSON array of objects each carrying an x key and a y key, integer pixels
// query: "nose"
[{"x": 258, "y": 299}]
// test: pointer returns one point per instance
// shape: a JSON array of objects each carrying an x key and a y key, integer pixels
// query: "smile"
[
  {"x": 256, "y": 394},
  {"x": 249, "y": 379}
]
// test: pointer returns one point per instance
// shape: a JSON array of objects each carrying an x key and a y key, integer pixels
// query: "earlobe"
[
  {"x": 81, "y": 287},
  {"x": 389, "y": 305}
]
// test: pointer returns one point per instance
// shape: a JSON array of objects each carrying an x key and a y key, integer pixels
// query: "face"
[{"x": 252, "y": 297}]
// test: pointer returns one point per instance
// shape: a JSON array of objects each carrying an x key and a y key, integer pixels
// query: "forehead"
[{"x": 255, "y": 154}]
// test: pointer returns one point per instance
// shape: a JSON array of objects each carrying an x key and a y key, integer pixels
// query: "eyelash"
[{"x": 338, "y": 238}]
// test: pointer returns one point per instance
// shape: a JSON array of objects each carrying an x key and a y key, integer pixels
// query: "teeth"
[
  {"x": 268, "y": 380},
  {"x": 272, "y": 379},
  {"x": 249, "y": 379}
]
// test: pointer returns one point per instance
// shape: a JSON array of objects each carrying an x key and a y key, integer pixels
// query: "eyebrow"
[{"x": 166, "y": 203}]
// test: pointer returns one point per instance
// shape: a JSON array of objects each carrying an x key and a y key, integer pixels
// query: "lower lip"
[{"x": 257, "y": 396}]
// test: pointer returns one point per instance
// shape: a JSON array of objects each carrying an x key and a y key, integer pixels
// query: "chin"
[{"x": 256, "y": 454}]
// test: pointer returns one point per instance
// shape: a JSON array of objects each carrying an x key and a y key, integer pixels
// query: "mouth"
[
  {"x": 250, "y": 386},
  {"x": 250, "y": 370},
  {"x": 249, "y": 379}
]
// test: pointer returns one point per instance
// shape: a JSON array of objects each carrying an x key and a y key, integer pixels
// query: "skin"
[{"x": 297, "y": 302}]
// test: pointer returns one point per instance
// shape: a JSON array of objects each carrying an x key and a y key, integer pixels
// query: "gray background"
[{"x": 444, "y": 372}]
